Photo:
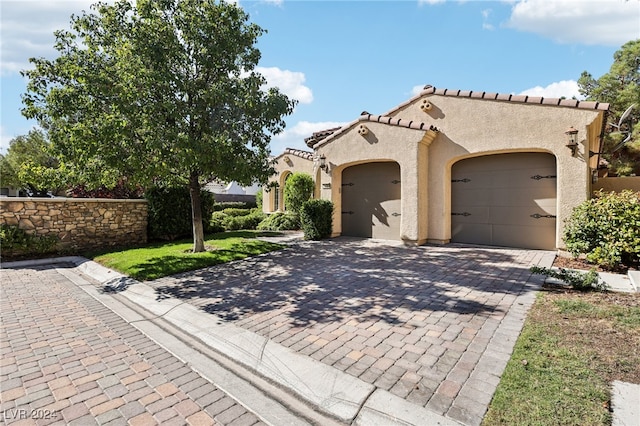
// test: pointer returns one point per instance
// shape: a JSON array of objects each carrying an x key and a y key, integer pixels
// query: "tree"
[
  {"x": 163, "y": 92},
  {"x": 620, "y": 87},
  {"x": 298, "y": 188},
  {"x": 30, "y": 165}
]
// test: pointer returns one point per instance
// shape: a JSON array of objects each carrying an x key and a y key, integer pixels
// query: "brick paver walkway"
[
  {"x": 67, "y": 359},
  {"x": 433, "y": 325}
]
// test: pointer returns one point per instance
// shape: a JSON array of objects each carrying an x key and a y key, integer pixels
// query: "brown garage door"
[
  {"x": 505, "y": 200},
  {"x": 371, "y": 201}
]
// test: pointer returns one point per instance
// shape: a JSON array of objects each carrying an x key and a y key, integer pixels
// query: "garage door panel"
[
  {"x": 371, "y": 205},
  {"x": 509, "y": 198},
  {"x": 473, "y": 233},
  {"x": 511, "y": 236}
]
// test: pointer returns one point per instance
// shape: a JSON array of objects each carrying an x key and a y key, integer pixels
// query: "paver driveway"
[{"x": 433, "y": 324}]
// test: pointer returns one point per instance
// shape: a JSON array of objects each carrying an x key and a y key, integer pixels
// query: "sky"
[{"x": 340, "y": 58}]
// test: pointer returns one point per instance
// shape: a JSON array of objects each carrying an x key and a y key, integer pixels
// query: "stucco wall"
[
  {"x": 286, "y": 164},
  {"x": 79, "y": 223},
  {"x": 618, "y": 184}
]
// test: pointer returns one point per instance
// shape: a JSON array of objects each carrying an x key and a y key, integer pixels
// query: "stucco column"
[{"x": 415, "y": 195}]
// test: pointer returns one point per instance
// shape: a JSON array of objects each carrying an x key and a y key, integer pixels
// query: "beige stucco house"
[{"x": 455, "y": 166}]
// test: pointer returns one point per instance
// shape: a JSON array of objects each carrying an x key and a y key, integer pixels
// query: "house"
[{"x": 455, "y": 166}]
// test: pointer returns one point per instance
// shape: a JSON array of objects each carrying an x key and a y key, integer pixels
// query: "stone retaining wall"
[{"x": 79, "y": 223}]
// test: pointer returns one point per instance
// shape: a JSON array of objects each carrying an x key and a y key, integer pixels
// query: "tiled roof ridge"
[
  {"x": 299, "y": 153},
  {"x": 537, "y": 100},
  {"x": 319, "y": 135},
  {"x": 410, "y": 124}
]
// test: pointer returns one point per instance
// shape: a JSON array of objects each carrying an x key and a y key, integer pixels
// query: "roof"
[
  {"x": 318, "y": 136},
  {"x": 324, "y": 135},
  {"x": 537, "y": 100},
  {"x": 299, "y": 153}
]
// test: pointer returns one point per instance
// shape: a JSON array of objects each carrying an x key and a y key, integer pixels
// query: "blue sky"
[{"x": 339, "y": 58}]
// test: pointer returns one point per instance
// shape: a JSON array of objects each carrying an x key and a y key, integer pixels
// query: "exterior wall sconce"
[
  {"x": 362, "y": 130},
  {"x": 322, "y": 162},
  {"x": 572, "y": 140},
  {"x": 426, "y": 105}
]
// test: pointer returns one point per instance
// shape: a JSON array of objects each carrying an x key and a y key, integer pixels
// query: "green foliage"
[
  {"x": 169, "y": 210},
  {"x": 620, "y": 87},
  {"x": 30, "y": 165},
  {"x": 280, "y": 222},
  {"x": 606, "y": 229},
  {"x": 17, "y": 242},
  {"x": 582, "y": 281},
  {"x": 163, "y": 91},
  {"x": 259, "y": 198},
  {"x": 316, "y": 218},
  {"x": 298, "y": 188},
  {"x": 234, "y": 219}
]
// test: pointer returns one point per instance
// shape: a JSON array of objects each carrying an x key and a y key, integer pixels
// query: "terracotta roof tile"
[
  {"x": 318, "y": 136},
  {"x": 299, "y": 153},
  {"x": 569, "y": 102}
]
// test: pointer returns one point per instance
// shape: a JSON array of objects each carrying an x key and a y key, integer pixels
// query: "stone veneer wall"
[{"x": 79, "y": 223}]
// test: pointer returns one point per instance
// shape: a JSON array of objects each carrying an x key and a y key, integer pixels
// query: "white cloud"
[
  {"x": 291, "y": 83},
  {"x": 564, "y": 88},
  {"x": 596, "y": 22},
  {"x": 26, "y": 29},
  {"x": 421, "y": 2},
  {"x": 293, "y": 137},
  {"x": 4, "y": 141}
]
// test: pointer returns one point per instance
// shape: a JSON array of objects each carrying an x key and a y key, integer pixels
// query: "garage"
[
  {"x": 505, "y": 200},
  {"x": 371, "y": 195}
]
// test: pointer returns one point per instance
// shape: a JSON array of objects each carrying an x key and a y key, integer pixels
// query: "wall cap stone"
[{"x": 74, "y": 200}]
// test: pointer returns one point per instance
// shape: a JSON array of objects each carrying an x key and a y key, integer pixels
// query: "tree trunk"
[{"x": 196, "y": 213}]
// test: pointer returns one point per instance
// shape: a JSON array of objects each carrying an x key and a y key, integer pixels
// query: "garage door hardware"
[
  {"x": 348, "y": 184},
  {"x": 538, "y": 216},
  {"x": 465, "y": 180},
  {"x": 538, "y": 177},
  {"x": 395, "y": 181},
  {"x": 461, "y": 214},
  {"x": 395, "y": 214},
  {"x": 349, "y": 212}
]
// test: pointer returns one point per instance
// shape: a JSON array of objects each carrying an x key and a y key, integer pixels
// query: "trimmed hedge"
[
  {"x": 316, "y": 218},
  {"x": 170, "y": 212},
  {"x": 280, "y": 222},
  {"x": 17, "y": 242}
]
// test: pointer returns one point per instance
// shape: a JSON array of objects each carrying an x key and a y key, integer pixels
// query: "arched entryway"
[
  {"x": 371, "y": 200},
  {"x": 505, "y": 200}
]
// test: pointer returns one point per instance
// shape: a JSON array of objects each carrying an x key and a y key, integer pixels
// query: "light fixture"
[
  {"x": 322, "y": 162},
  {"x": 572, "y": 140}
]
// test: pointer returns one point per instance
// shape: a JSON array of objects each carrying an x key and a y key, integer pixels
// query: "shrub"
[
  {"x": 17, "y": 242},
  {"x": 280, "y": 222},
  {"x": 298, "y": 188},
  {"x": 316, "y": 218},
  {"x": 259, "y": 198},
  {"x": 170, "y": 212},
  {"x": 582, "y": 281},
  {"x": 251, "y": 220},
  {"x": 606, "y": 229}
]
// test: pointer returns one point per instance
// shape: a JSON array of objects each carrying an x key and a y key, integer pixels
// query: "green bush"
[
  {"x": 280, "y": 222},
  {"x": 606, "y": 229},
  {"x": 232, "y": 211},
  {"x": 17, "y": 242},
  {"x": 316, "y": 218},
  {"x": 233, "y": 219},
  {"x": 259, "y": 198},
  {"x": 170, "y": 212},
  {"x": 298, "y": 188}
]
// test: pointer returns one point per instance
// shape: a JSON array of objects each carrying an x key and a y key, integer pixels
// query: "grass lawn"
[
  {"x": 161, "y": 259},
  {"x": 573, "y": 345}
]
